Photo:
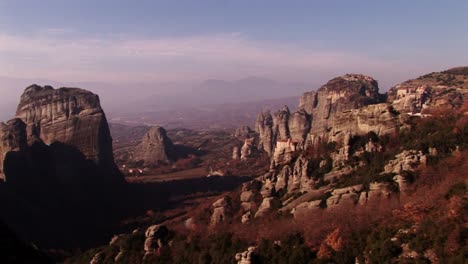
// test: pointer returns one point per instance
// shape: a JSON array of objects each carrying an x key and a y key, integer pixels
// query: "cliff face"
[
  {"x": 12, "y": 138},
  {"x": 348, "y": 112},
  {"x": 264, "y": 128},
  {"x": 57, "y": 165},
  {"x": 155, "y": 148},
  {"x": 68, "y": 124},
  {"x": 69, "y": 115},
  {"x": 350, "y": 104},
  {"x": 339, "y": 95}
]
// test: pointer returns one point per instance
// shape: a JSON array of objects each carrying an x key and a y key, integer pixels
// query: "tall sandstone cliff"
[
  {"x": 69, "y": 115},
  {"x": 57, "y": 166},
  {"x": 68, "y": 124},
  {"x": 350, "y": 104},
  {"x": 351, "y": 114}
]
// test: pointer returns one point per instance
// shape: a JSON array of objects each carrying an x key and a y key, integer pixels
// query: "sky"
[{"x": 116, "y": 41}]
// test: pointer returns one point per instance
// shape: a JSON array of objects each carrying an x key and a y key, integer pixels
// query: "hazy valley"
[
  {"x": 300, "y": 186},
  {"x": 233, "y": 132}
]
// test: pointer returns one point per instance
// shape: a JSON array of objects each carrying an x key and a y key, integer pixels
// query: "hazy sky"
[{"x": 164, "y": 41}]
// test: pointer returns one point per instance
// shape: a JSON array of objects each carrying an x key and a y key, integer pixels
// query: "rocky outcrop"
[
  {"x": 12, "y": 138},
  {"x": 377, "y": 118},
  {"x": 283, "y": 151},
  {"x": 305, "y": 208},
  {"x": 377, "y": 190},
  {"x": 155, "y": 148},
  {"x": 235, "y": 153},
  {"x": 246, "y": 257},
  {"x": 264, "y": 128},
  {"x": 299, "y": 125},
  {"x": 281, "y": 124},
  {"x": 331, "y": 107},
  {"x": 268, "y": 205},
  {"x": 348, "y": 196},
  {"x": 340, "y": 94},
  {"x": 247, "y": 149},
  {"x": 248, "y": 198},
  {"x": 435, "y": 91},
  {"x": 243, "y": 132},
  {"x": 221, "y": 209},
  {"x": 155, "y": 238},
  {"x": 406, "y": 161},
  {"x": 98, "y": 258},
  {"x": 69, "y": 115},
  {"x": 350, "y": 104},
  {"x": 56, "y": 157}
]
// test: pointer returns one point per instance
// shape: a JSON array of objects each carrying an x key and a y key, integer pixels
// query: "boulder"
[
  {"x": 155, "y": 237},
  {"x": 268, "y": 205},
  {"x": 221, "y": 210},
  {"x": 246, "y": 217},
  {"x": 235, "y": 153},
  {"x": 246, "y": 256},
  {"x": 247, "y": 196},
  {"x": 305, "y": 208},
  {"x": 247, "y": 149}
]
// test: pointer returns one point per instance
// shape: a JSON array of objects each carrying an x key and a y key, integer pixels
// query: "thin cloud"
[{"x": 130, "y": 59}]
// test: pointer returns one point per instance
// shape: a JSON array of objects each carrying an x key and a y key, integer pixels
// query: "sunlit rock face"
[
  {"x": 280, "y": 124},
  {"x": 377, "y": 118},
  {"x": 264, "y": 128},
  {"x": 299, "y": 125},
  {"x": 69, "y": 115},
  {"x": 336, "y": 109},
  {"x": 431, "y": 92},
  {"x": 155, "y": 147},
  {"x": 339, "y": 95}
]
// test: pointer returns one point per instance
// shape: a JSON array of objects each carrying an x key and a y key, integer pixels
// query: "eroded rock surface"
[
  {"x": 221, "y": 209},
  {"x": 155, "y": 148},
  {"x": 12, "y": 138},
  {"x": 246, "y": 257},
  {"x": 69, "y": 115},
  {"x": 264, "y": 128},
  {"x": 155, "y": 238}
]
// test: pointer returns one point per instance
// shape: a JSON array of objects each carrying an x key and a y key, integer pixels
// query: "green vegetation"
[
  {"x": 457, "y": 71},
  {"x": 219, "y": 248},
  {"x": 380, "y": 248},
  {"x": 442, "y": 133},
  {"x": 291, "y": 250}
]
